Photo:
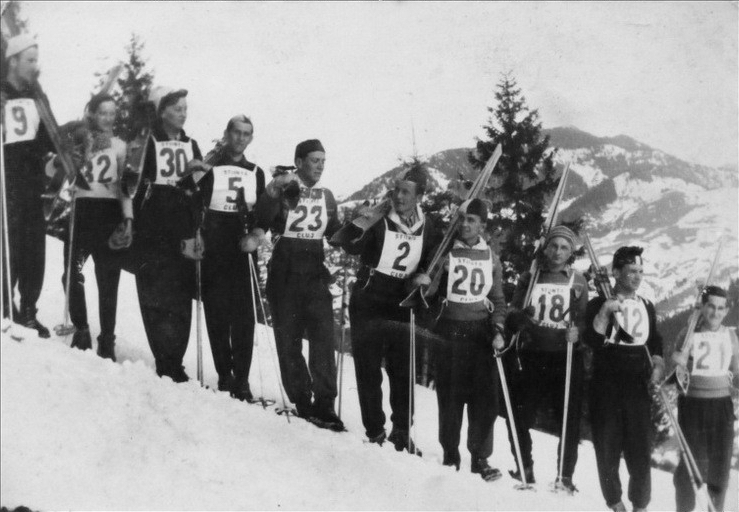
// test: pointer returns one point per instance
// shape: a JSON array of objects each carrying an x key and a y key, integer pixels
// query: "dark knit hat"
[
  {"x": 627, "y": 256},
  {"x": 308, "y": 146},
  {"x": 562, "y": 232},
  {"x": 475, "y": 207},
  {"x": 716, "y": 291},
  {"x": 418, "y": 175}
]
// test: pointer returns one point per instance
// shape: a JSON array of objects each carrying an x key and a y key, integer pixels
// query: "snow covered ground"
[{"x": 82, "y": 433}]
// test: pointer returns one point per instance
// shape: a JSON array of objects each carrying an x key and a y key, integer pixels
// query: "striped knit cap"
[{"x": 562, "y": 232}]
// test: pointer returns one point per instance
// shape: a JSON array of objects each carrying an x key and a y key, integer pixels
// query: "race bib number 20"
[{"x": 21, "y": 120}]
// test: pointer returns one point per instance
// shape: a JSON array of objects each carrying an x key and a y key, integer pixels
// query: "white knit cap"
[{"x": 19, "y": 43}]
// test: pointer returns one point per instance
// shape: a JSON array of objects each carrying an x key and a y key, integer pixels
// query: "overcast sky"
[{"x": 355, "y": 75}]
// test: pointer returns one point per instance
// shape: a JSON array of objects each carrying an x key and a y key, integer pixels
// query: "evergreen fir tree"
[
  {"x": 523, "y": 180},
  {"x": 132, "y": 92}
]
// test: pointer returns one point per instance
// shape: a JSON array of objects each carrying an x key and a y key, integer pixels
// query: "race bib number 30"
[
  {"x": 401, "y": 254},
  {"x": 711, "y": 353},
  {"x": 21, "y": 120},
  {"x": 552, "y": 305},
  {"x": 172, "y": 158},
  {"x": 470, "y": 280},
  {"x": 227, "y": 180},
  {"x": 633, "y": 319},
  {"x": 308, "y": 219}
]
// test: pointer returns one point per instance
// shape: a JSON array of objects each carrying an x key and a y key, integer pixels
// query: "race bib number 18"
[
  {"x": 552, "y": 305},
  {"x": 21, "y": 120},
  {"x": 172, "y": 158}
]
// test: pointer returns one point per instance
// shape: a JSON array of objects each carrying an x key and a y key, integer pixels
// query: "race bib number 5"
[
  {"x": 552, "y": 305},
  {"x": 308, "y": 219},
  {"x": 227, "y": 180},
  {"x": 21, "y": 120},
  {"x": 711, "y": 353},
  {"x": 172, "y": 158}
]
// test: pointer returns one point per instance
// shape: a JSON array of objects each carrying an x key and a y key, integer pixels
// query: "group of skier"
[{"x": 191, "y": 227}]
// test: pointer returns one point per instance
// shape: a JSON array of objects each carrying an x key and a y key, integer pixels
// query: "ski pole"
[
  {"x": 254, "y": 281},
  {"x": 6, "y": 238},
  {"x": 412, "y": 381},
  {"x": 563, "y": 439},
  {"x": 66, "y": 328},
  {"x": 198, "y": 308},
  {"x": 514, "y": 432},
  {"x": 343, "y": 338},
  {"x": 696, "y": 479},
  {"x": 272, "y": 349}
]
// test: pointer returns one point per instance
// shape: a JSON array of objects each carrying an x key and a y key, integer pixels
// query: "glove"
[
  {"x": 572, "y": 334},
  {"x": 419, "y": 280},
  {"x": 252, "y": 241},
  {"x": 193, "y": 248},
  {"x": 679, "y": 358},
  {"x": 519, "y": 320},
  {"x": 498, "y": 342},
  {"x": 122, "y": 237},
  {"x": 658, "y": 369}
]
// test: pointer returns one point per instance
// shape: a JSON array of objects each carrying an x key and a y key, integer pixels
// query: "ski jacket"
[
  {"x": 224, "y": 226},
  {"x": 298, "y": 233},
  {"x": 390, "y": 253},
  {"x": 558, "y": 298},
  {"x": 713, "y": 362},
  {"x": 475, "y": 290},
  {"x": 164, "y": 213},
  {"x": 27, "y": 141},
  {"x": 613, "y": 358}
]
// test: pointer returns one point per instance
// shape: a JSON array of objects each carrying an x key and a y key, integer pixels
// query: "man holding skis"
[
  {"x": 26, "y": 142},
  {"x": 300, "y": 214},
  {"x": 627, "y": 354},
  {"x": 553, "y": 320},
  {"x": 706, "y": 413},
  {"x": 391, "y": 253}
]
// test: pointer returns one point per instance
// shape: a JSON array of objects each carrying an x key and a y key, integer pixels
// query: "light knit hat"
[{"x": 562, "y": 232}]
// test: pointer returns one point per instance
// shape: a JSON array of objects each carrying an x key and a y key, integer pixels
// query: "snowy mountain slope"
[
  {"x": 78, "y": 432},
  {"x": 632, "y": 194}
]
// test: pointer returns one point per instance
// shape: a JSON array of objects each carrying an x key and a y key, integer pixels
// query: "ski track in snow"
[{"x": 79, "y": 432}]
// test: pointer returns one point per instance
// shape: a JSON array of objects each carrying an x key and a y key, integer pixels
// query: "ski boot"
[
  {"x": 565, "y": 485},
  {"x": 482, "y": 468},
  {"x": 226, "y": 383},
  {"x": 81, "y": 339},
  {"x": 618, "y": 507},
  {"x": 529, "y": 472},
  {"x": 106, "y": 346},
  {"x": 379, "y": 439},
  {"x": 452, "y": 458},
  {"x": 399, "y": 438},
  {"x": 324, "y": 416},
  {"x": 28, "y": 319}
]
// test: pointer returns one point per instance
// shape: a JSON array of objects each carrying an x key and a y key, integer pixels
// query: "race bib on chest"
[
  {"x": 470, "y": 276},
  {"x": 172, "y": 158},
  {"x": 308, "y": 219},
  {"x": 401, "y": 254},
  {"x": 552, "y": 305},
  {"x": 21, "y": 120},
  {"x": 101, "y": 174},
  {"x": 711, "y": 352},
  {"x": 634, "y": 319},
  {"x": 227, "y": 180}
]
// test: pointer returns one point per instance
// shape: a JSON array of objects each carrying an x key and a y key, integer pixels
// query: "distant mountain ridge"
[{"x": 630, "y": 194}]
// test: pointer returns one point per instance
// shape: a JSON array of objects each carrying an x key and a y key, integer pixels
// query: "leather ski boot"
[
  {"x": 81, "y": 339},
  {"x": 106, "y": 346}
]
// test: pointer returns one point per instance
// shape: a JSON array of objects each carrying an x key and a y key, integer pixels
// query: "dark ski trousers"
[
  {"x": 95, "y": 221},
  {"x": 621, "y": 423},
  {"x": 166, "y": 284},
  {"x": 708, "y": 426},
  {"x": 302, "y": 305},
  {"x": 373, "y": 338},
  {"x": 466, "y": 373},
  {"x": 540, "y": 381},
  {"x": 27, "y": 237},
  {"x": 229, "y": 312}
]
